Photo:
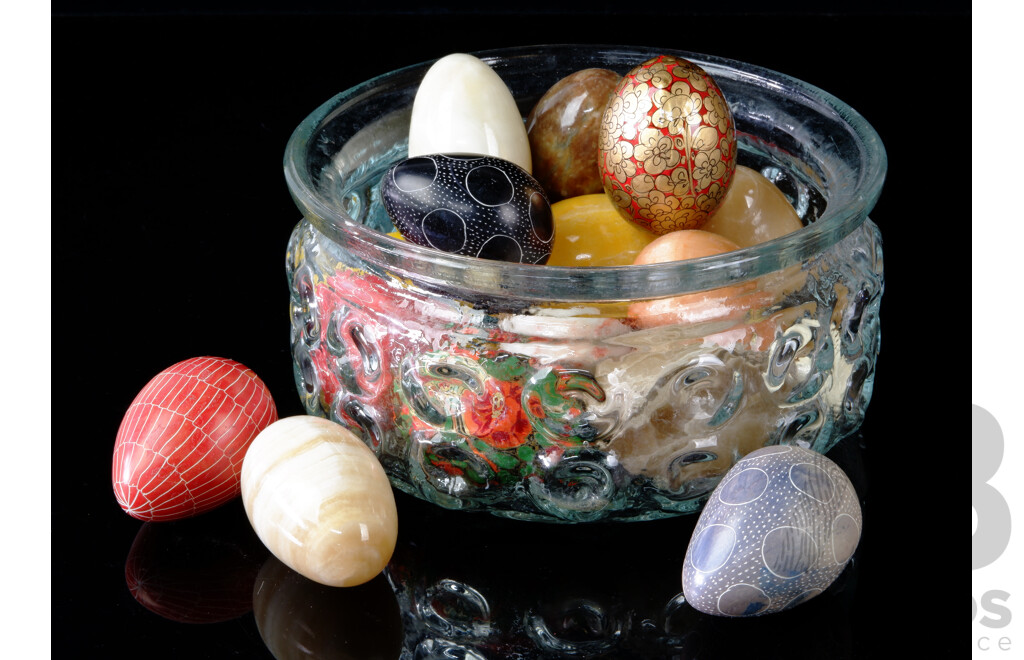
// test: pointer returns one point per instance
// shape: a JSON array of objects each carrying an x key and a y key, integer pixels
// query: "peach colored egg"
[
  {"x": 753, "y": 211},
  {"x": 715, "y": 304}
]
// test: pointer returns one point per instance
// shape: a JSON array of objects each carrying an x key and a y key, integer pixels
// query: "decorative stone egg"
[
  {"x": 776, "y": 532},
  {"x": 320, "y": 501},
  {"x": 180, "y": 446},
  {"x": 471, "y": 205},
  {"x": 463, "y": 106},
  {"x": 753, "y": 211},
  {"x": 590, "y": 232},
  {"x": 667, "y": 146},
  {"x": 563, "y": 128}
]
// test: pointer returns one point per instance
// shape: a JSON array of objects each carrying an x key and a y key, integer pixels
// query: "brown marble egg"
[
  {"x": 563, "y": 129},
  {"x": 667, "y": 145}
]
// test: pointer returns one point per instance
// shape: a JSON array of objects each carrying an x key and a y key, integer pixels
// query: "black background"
[{"x": 171, "y": 218}]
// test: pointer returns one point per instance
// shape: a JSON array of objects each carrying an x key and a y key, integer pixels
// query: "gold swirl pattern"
[{"x": 667, "y": 145}]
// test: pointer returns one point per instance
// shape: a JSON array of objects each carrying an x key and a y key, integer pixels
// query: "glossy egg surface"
[
  {"x": 589, "y": 231},
  {"x": 180, "y": 446},
  {"x": 713, "y": 304},
  {"x": 667, "y": 145},
  {"x": 776, "y": 532},
  {"x": 754, "y": 211},
  {"x": 563, "y": 128},
  {"x": 320, "y": 501},
  {"x": 476, "y": 206},
  {"x": 463, "y": 106}
]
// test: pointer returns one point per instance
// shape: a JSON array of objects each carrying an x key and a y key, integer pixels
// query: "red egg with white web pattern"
[{"x": 180, "y": 446}]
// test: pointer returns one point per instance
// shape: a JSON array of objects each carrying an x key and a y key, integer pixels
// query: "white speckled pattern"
[
  {"x": 777, "y": 531},
  {"x": 319, "y": 500}
]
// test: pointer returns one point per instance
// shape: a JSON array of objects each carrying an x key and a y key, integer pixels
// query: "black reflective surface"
[{"x": 171, "y": 218}]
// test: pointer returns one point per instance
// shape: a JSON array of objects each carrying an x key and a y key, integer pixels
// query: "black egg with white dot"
[
  {"x": 479, "y": 206},
  {"x": 777, "y": 531}
]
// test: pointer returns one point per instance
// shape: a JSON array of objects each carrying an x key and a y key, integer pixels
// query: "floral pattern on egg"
[
  {"x": 777, "y": 531},
  {"x": 471, "y": 205},
  {"x": 667, "y": 145}
]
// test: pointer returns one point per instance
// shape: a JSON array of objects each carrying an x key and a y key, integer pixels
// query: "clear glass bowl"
[{"x": 527, "y": 391}]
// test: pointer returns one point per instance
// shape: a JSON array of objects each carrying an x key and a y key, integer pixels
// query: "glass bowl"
[{"x": 528, "y": 391}]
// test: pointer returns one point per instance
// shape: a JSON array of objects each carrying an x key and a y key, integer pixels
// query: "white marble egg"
[
  {"x": 319, "y": 500},
  {"x": 777, "y": 531},
  {"x": 463, "y": 106}
]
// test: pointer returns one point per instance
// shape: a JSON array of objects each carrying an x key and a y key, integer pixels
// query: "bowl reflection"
[
  {"x": 476, "y": 586},
  {"x": 485, "y": 590}
]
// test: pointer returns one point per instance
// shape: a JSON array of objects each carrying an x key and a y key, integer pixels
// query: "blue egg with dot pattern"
[{"x": 776, "y": 532}]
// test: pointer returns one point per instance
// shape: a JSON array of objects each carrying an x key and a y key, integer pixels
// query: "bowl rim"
[{"x": 572, "y": 283}]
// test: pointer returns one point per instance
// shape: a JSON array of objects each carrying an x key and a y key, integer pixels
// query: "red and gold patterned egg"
[{"x": 667, "y": 146}]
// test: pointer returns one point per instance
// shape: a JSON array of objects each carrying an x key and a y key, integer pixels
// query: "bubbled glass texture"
[
  {"x": 564, "y": 410},
  {"x": 542, "y": 416}
]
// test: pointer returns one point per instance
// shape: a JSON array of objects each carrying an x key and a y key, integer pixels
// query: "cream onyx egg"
[
  {"x": 320, "y": 501},
  {"x": 463, "y": 106},
  {"x": 753, "y": 211}
]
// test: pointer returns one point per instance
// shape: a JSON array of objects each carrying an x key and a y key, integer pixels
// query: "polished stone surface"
[
  {"x": 463, "y": 106},
  {"x": 471, "y": 205},
  {"x": 589, "y": 231},
  {"x": 721, "y": 303},
  {"x": 776, "y": 532},
  {"x": 753, "y": 211},
  {"x": 319, "y": 500},
  {"x": 563, "y": 129}
]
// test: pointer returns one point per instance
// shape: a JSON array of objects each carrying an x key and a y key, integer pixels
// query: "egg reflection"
[
  {"x": 299, "y": 618},
  {"x": 199, "y": 570}
]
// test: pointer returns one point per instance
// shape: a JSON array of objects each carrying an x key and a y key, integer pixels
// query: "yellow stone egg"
[
  {"x": 753, "y": 211},
  {"x": 590, "y": 231}
]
